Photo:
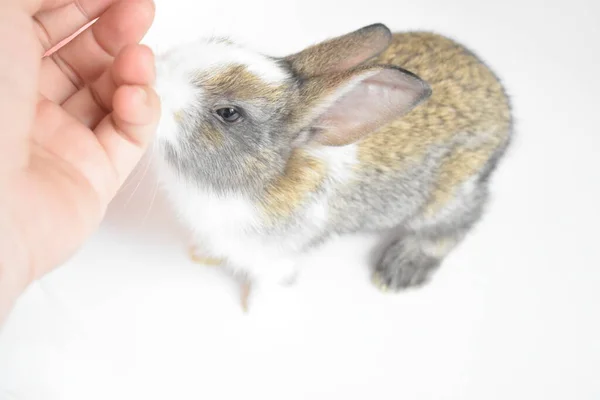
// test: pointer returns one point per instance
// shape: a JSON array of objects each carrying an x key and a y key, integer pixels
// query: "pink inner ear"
[{"x": 369, "y": 104}]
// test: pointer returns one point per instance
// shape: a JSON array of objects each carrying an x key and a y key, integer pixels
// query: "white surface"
[{"x": 513, "y": 313}]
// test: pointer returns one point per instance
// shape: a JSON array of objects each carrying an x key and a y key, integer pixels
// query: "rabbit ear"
[
  {"x": 342, "y": 108},
  {"x": 341, "y": 53}
]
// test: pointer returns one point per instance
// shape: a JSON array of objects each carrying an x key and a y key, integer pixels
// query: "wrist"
[{"x": 14, "y": 265}]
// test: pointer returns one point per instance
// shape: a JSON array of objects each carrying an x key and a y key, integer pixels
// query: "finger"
[
  {"x": 57, "y": 24},
  {"x": 85, "y": 58},
  {"x": 19, "y": 62},
  {"x": 133, "y": 66},
  {"x": 34, "y": 6},
  {"x": 127, "y": 131}
]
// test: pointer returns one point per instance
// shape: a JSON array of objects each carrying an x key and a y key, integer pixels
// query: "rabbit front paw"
[{"x": 197, "y": 257}]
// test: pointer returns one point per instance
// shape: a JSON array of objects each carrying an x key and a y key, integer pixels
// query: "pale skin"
[{"x": 72, "y": 126}]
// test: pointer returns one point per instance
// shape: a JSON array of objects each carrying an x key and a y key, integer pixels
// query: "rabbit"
[{"x": 265, "y": 158}]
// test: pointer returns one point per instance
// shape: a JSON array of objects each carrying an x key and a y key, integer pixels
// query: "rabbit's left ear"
[
  {"x": 341, "y": 53},
  {"x": 340, "y": 109}
]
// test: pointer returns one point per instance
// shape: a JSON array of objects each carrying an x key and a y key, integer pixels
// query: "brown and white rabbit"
[{"x": 265, "y": 158}]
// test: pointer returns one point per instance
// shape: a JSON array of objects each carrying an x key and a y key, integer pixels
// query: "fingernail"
[{"x": 141, "y": 96}]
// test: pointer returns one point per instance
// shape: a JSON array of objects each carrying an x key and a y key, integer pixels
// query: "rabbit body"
[{"x": 397, "y": 133}]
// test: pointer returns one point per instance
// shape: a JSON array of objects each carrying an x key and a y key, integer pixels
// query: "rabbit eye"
[{"x": 228, "y": 114}]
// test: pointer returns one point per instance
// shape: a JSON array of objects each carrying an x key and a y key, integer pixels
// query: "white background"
[{"x": 513, "y": 313}]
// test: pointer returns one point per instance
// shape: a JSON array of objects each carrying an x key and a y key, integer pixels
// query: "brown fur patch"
[
  {"x": 237, "y": 82},
  {"x": 262, "y": 163},
  {"x": 178, "y": 116},
  {"x": 212, "y": 134},
  {"x": 303, "y": 175},
  {"x": 467, "y": 99}
]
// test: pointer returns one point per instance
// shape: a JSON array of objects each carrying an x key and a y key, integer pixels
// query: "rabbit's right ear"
[
  {"x": 341, "y": 53},
  {"x": 339, "y": 109}
]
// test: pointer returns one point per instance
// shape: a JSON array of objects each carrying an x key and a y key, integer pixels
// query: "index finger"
[
  {"x": 33, "y": 6},
  {"x": 19, "y": 66},
  {"x": 57, "y": 24},
  {"x": 19, "y": 63}
]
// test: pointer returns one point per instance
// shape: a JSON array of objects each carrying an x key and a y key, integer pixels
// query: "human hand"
[{"x": 72, "y": 125}]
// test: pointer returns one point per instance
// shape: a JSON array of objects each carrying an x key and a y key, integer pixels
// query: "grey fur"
[
  {"x": 401, "y": 267},
  {"x": 260, "y": 137}
]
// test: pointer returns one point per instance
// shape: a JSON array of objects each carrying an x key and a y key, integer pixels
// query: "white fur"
[
  {"x": 226, "y": 227},
  {"x": 176, "y": 94},
  {"x": 339, "y": 160},
  {"x": 211, "y": 55}
]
